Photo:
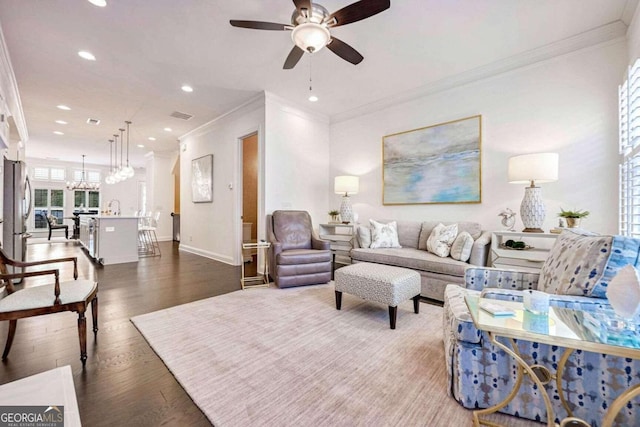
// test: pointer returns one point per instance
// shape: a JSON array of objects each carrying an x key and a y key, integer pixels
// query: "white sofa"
[{"x": 435, "y": 272}]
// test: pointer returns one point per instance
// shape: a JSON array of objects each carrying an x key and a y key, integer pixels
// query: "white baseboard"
[{"x": 211, "y": 255}]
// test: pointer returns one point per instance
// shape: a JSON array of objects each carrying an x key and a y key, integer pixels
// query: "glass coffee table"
[{"x": 599, "y": 331}]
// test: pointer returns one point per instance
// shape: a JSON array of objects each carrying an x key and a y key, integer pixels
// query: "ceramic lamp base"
[
  {"x": 532, "y": 210},
  {"x": 346, "y": 211}
]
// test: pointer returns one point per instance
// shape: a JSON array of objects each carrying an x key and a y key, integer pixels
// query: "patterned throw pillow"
[
  {"x": 575, "y": 264},
  {"x": 384, "y": 235},
  {"x": 461, "y": 247},
  {"x": 364, "y": 236},
  {"x": 441, "y": 239}
]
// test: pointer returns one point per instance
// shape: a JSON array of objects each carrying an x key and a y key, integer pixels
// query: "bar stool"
[{"x": 147, "y": 238}]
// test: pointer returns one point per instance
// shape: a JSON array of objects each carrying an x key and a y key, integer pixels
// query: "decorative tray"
[{"x": 526, "y": 247}]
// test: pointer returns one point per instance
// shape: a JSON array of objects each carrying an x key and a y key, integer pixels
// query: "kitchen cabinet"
[{"x": 110, "y": 239}]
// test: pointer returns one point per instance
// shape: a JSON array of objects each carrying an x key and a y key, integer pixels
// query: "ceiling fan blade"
[
  {"x": 344, "y": 51},
  {"x": 302, "y": 4},
  {"x": 357, "y": 11},
  {"x": 259, "y": 25},
  {"x": 293, "y": 58}
]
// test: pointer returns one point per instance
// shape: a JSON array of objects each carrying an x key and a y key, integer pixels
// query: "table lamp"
[
  {"x": 529, "y": 169},
  {"x": 346, "y": 185}
]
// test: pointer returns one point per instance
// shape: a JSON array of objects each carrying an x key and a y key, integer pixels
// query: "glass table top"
[{"x": 600, "y": 330}]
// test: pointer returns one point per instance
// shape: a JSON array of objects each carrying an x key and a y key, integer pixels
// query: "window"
[
  {"x": 86, "y": 199},
  {"x": 45, "y": 202},
  {"x": 48, "y": 174},
  {"x": 89, "y": 176},
  {"x": 629, "y": 168}
]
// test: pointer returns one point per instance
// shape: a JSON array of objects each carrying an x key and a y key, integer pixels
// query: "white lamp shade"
[
  {"x": 346, "y": 184},
  {"x": 310, "y": 37},
  {"x": 539, "y": 167}
]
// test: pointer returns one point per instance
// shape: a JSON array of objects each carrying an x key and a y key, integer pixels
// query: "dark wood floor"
[{"x": 124, "y": 382}]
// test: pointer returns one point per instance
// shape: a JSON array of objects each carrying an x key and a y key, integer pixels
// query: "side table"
[
  {"x": 260, "y": 280},
  {"x": 529, "y": 260},
  {"x": 340, "y": 237}
]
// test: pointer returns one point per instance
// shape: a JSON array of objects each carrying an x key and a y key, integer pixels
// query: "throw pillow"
[
  {"x": 384, "y": 235},
  {"x": 575, "y": 264},
  {"x": 363, "y": 235},
  {"x": 624, "y": 292},
  {"x": 461, "y": 247},
  {"x": 441, "y": 239}
]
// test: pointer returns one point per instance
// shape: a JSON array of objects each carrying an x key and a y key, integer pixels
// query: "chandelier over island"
[{"x": 83, "y": 184}]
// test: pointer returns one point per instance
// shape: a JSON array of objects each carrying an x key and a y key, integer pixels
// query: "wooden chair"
[
  {"x": 74, "y": 295},
  {"x": 52, "y": 221}
]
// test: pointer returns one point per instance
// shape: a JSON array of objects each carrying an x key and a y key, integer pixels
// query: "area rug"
[{"x": 287, "y": 357}]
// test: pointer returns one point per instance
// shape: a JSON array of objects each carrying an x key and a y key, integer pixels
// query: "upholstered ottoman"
[{"x": 379, "y": 283}]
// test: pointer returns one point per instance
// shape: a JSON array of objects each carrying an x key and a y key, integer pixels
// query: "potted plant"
[
  {"x": 334, "y": 214},
  {"x": 573, "y": 217}
]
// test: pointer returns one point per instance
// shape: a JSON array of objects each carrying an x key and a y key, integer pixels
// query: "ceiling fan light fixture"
[{"x": 310, "y": 37}]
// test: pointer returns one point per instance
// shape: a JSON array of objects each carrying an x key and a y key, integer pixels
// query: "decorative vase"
[
  {"x": 334, "y": 219},
  {"x": 573, "y": 222}
]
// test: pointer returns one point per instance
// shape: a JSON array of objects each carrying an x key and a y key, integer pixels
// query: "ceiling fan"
[{"x": 310, "y": 28}]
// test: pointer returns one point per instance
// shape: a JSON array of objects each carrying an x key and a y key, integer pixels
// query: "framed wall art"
[
  {"x": 202, "y": 179},
  {"x": 433, "y": 164}
]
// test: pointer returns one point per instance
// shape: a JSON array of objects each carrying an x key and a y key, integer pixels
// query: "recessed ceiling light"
[
  {"x": 151, "y": 138},
  {"x": 187, "y": 88},
  {"x": 167, "y": 129},
  {"x": 140, "y": 145},
  {"x": 61, "y": 122},
  {"x": 86, "y": 55},
  {"x": 99, "y": 3},
  {"x": 57, "y": 132},
  {"x": 313, "y": 98},
  {"x": 64, "y": 107}
]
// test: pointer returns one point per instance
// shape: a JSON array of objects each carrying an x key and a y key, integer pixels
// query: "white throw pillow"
[
  {"x": 384, "y": 235},
  {"x": 441, "y": 239},
  {"x": 623, "y": 292},
  {"x": 364, "y": 236},
  {"x": 461, "y": 247}
]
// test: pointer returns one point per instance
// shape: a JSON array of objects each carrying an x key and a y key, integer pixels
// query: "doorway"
[{"x": 250, "y": 166}]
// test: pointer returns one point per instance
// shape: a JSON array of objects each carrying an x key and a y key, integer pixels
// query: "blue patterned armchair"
[{"x": 576, "y": 274}]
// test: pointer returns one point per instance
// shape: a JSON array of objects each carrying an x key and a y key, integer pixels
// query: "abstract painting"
[
  {"x": 434, "y": 164},
  {"x": 202, "y": 179}
]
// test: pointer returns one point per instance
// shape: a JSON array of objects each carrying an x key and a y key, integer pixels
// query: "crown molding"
[
  {"x": 606, "y": 33},
  {"x": 9, "y": 90}
]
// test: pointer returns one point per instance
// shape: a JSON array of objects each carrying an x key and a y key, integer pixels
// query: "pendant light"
[
  {"x": 109, "y": 179},
  {"x": 120, "y": 171},
  {"x": 83, "y": 184},
  {"x": 114, "y": 173},
  {"x": 128, "y": 171}
]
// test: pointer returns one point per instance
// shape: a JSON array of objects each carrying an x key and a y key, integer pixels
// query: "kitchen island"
[{"x": 110, "y": 239}]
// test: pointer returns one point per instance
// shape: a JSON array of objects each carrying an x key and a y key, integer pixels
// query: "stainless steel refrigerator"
[{"x": 16, "y": 209}]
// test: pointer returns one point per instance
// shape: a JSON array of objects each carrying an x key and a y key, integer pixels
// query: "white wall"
[
  {"x": 633, "y": 38},
  {"x": 214, "y": 229},
  {"x": 297, "y": 159},
  {"x": 160, "y": 191},
  {"x": 567, "y": 105}
]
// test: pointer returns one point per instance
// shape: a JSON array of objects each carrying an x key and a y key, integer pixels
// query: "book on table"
[{"x": 496, "y": 309}]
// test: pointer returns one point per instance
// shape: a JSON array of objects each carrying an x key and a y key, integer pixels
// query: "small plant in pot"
[
  {"x": 334, "y": 215},
  {"x": 573, "y": 217}
]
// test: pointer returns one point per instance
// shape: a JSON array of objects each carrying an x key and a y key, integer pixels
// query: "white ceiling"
[{"x": 147, "y": 49}]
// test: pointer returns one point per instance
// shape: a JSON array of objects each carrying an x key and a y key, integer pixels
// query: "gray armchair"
[{"x": 297, "y": 256}]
